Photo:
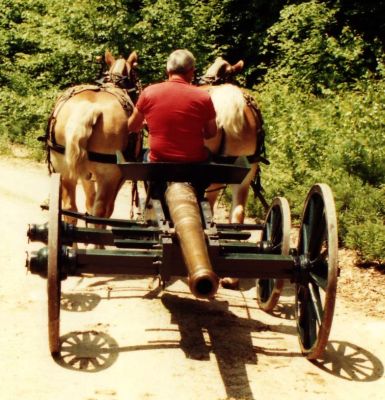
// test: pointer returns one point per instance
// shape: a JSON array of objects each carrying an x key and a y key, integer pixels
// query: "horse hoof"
[{"x": 230, "y": 283}]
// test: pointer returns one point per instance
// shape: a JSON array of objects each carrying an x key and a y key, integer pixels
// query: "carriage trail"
[{"x": 126, "y": 339}]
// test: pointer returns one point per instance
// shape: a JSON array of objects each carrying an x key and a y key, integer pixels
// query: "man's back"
[{"x": 176, "y": 113}]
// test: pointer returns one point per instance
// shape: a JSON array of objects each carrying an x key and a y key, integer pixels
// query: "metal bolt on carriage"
[{"x": 177, "y": 237}]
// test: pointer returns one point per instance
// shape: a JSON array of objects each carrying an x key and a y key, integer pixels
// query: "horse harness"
[{"x": 122, "y": 95}]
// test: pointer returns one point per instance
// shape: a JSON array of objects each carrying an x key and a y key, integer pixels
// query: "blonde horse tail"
[
  {"x": 229, "y": 104},
  {"x": 77, "y": 132}
]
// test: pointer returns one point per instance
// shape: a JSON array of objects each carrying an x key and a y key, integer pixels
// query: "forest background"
[{"x": 316, "y": 69}]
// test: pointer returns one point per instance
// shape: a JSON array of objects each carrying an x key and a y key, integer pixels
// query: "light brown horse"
[
  {"x": 240, "y": 131},
  {"x": 240, "y": 137},
  {"x": 86, "y": 128}
]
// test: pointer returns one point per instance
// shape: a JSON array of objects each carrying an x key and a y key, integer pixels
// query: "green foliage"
[
  {"x": 311, "y": 50},
  {"x": 166, "y": 25},
  {"x": 23, "y": 118},
  {"x": 336, "y": 139}
]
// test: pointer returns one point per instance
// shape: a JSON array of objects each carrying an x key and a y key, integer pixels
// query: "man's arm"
[
  {"x": 135, "y": 122},
  {"x": 210, "y": 129}
]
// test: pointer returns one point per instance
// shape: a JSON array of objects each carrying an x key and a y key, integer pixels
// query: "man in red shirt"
[{"x": 179, "y": 116}]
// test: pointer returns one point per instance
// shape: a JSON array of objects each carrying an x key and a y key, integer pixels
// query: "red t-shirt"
[{"x": 176, "y": 113}]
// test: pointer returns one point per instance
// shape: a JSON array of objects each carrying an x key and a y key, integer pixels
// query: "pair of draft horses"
[{"x": 88, "y": 121}]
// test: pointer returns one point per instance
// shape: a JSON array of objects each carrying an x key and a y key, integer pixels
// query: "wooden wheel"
[
  {"x": 277, "y": 232},
  {"x": 318, "y": 259},
  {"x": 53, "y": 274}
]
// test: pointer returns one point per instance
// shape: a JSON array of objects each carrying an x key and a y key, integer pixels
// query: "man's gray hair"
[{"x": 180, "y": 62}]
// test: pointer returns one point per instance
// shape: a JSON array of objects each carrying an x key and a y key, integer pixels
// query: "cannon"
[{"x": 178, "y": 237}]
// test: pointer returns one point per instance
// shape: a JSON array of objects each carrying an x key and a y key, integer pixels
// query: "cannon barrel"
[{"x": 185, "y": 215}]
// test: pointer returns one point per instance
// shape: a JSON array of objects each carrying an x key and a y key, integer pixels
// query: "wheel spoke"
[
  {"x": 304, "y": 316},
  {"x": 305, "y": 238},
  {"x": 316, "y": 302},
  {"x": 320, "y": 281},
  {"x": 311, "y": 323},
  {"x": 317, "y": 224},
  {"x": 307, "y": 318},
  {"x": 277, "y": 248},
  {"x": 319, "y": 271}
]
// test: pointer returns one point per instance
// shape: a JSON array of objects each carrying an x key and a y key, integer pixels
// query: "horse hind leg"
[
  {"x": 69, "y": 198},
  {"x": 90, "y": 194},
  {"x": 212, "y": 193},
  {"x": 237, "y": 214},
  {"x": 104, "y": 201},
  {"x": 108, "y": 184},
  {"x": 240, "y": 194}
]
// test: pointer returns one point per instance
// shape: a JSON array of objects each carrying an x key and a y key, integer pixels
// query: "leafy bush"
[
  {"x": 336, "y": 139},
  {"x": 166, "y": 25},
  {"x": 311, "y": 49}
]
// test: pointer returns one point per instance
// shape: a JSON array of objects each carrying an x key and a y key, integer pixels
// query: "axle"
[{"x": 157, "y": 262}]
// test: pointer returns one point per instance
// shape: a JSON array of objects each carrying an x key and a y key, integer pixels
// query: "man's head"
[{"x": 181, "y": 62}]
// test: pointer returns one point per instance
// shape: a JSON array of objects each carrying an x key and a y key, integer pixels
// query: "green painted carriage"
[{"x": 152, "y": 246}]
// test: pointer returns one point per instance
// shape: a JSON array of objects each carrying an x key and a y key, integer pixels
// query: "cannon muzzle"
[{"x": 185, "y": 215}]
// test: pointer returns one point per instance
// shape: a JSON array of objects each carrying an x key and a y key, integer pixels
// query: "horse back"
[
  {"x": 237, "y": 120},
  {"x": 100, "y": 109}
]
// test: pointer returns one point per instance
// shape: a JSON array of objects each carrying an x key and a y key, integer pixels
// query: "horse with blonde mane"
[
  {"x": 87, "y": 127},
  {"x": 240, "y": 138},
  {"x": 240, "y": 135}
]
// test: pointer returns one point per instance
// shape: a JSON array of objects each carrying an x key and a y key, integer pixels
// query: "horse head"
[
  {"x": 220, "y": 72},
  {"x": 122, "y": 72}
]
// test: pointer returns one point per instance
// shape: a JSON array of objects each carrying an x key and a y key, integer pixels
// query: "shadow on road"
[
  {"x": 79, "y": 302},
  {"x": 211, "y": 328},
  {"x": 350, "y": 362}
]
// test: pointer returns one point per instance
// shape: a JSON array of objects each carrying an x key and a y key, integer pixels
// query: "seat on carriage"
[{"x": 199, "y": 175}]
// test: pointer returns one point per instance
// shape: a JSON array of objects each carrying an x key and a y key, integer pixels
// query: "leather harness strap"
[{"x": 94, "y": 156}]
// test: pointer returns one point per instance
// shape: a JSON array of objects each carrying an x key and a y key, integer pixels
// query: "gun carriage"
[{"x": 177, "y": 236}]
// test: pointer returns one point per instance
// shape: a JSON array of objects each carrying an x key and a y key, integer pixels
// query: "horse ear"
[
  {"x": 109, "y": 58},
  {"x": 234, "y": 69},
  {"x": 222, "y": 69},
  {"x": 132, "y": 58},
  {"x": 238, "y": 66}
]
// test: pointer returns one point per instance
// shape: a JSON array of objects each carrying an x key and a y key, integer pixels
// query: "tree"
[{"x": 309, "y": 47}]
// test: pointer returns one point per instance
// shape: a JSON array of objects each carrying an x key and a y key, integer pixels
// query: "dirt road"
[{"x": 126, "y": 339}]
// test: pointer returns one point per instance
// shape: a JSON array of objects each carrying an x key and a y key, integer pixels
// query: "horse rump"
[
  {"x": 78, "y": 130},
  {"x": 229, "y": 103}
]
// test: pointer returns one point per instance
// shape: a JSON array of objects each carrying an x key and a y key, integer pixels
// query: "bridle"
[
  {"x": 129, "y": 82},
  {"x": 214, "y": 80},
  {"x": 223, "y": 74}
]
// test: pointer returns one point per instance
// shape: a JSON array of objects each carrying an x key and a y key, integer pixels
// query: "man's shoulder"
[
  {"x": 197, "y": 92},
  {"x": 154, "y": 87}
]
